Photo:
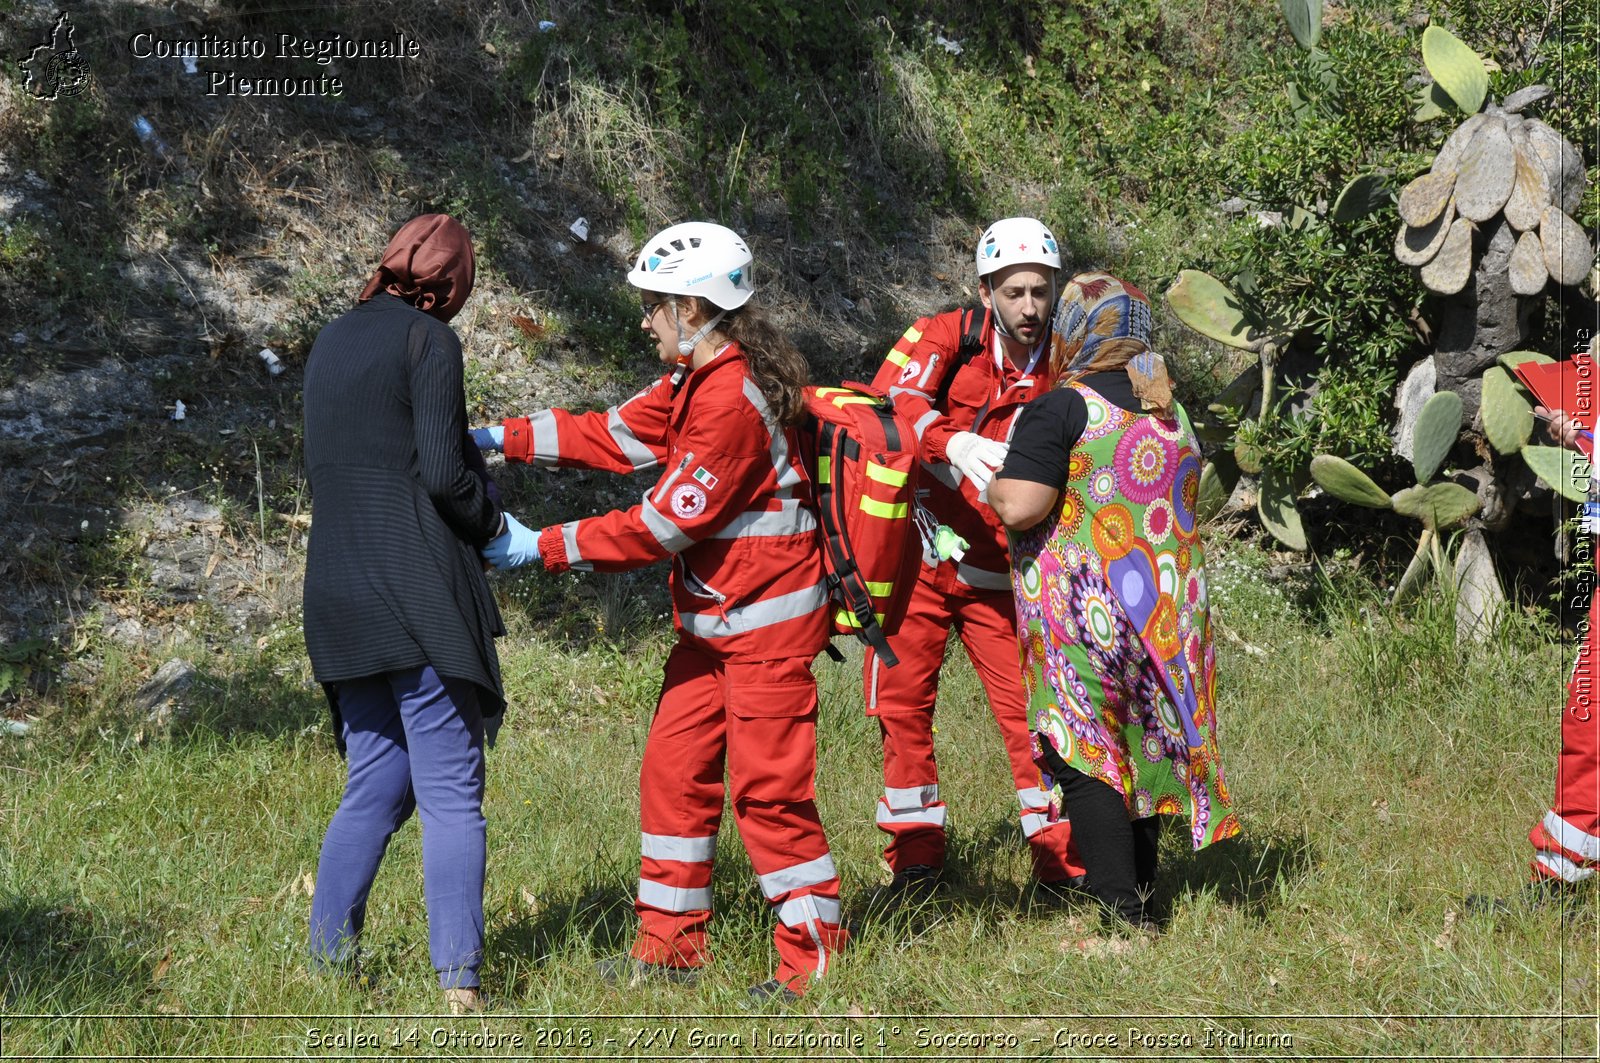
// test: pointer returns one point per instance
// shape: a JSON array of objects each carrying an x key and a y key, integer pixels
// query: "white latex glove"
[{"x": 975, "y": 457}]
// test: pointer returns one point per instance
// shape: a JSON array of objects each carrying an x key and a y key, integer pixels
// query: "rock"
[
  {"x": 1479, "y": 596},
  {"x": 194, "y": 511},
  {"x": 167, "y": 697},
  {"x": 1417, "y": 388}
]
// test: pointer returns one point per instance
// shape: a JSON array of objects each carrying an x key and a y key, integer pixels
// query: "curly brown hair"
[{"x": 778, "y": 368}]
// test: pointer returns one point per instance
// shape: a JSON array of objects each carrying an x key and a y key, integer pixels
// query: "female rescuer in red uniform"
[{"x": 730, "y": 510}]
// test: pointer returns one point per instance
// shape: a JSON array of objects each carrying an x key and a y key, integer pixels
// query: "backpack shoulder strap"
[{"x": 973, "y": 320}]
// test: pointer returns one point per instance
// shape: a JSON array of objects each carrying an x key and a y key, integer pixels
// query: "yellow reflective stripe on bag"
[
  {"x": 880, "y": 590},
  {"x": 899, "y": 358},
  {"x": 885, "y": 475},
  {"x": 824, "y": 469},
  {"x": 891, "y": 510},
  {"x": 845, "y": 618}
]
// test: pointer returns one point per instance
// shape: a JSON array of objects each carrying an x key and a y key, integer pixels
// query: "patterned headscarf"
[
  {"x": 429, "y": 263},
  {"x": 1102, "y": 323}
]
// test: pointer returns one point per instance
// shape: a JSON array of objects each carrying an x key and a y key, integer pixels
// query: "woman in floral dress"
[{"x": 1099, "y": 492}]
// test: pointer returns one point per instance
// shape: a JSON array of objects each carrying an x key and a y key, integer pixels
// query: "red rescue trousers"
[
  {"x": 902, "y": 698},
  {"x": 760, "y": 718},
  {"x": 1566, "y": 841}
]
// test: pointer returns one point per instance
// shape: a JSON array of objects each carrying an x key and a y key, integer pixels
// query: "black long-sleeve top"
[{"x": 394, "y": 579}]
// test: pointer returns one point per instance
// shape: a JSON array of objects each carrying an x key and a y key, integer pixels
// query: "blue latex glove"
[
  {"x": 493, "y": 438},
  {"x": 516, "y": 546}
]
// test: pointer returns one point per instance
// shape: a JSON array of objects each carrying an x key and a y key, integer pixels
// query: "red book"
[{"x": 1567, "y": 386}]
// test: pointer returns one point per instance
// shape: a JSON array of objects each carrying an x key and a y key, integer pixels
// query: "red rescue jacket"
[
  {"x": 984, "y": 396},
  {"x": 732, "y": 508}
]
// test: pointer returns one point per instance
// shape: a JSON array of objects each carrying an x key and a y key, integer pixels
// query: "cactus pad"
[
  {"x": 1457, "y": 68},
  {"x": 1347, "y": 483},
  {"x": 1418, "y": 247},
  {"x": 1530, "y": 193},
  {"x": 1437, "y": 427},
  {"x": 1277, "y": 510},
  {"x": 1567, "y": 252},
  {"x": 1566, "y": 471},
  {"x": 1207, "y": 305},
  {"x": 1424, "y": 199},
  {"x": 1437, "y": 505},
  {"x": 1527, "y": 269},
  {"x": 1487, "y": 172},
  {"x": 1449, "y": 270},
  {"x": 1507, "y": 417}
]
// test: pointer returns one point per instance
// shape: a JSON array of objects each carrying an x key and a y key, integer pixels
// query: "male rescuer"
[{"x": 963, "y": 397}]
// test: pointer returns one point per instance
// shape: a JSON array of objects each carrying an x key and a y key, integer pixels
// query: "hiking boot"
[
  {"x": 913, "y": 885},
  {"x": 628, "y": 970},
  {"x": 1539, "y": 893},
  {"x": 772, "y": 991}
]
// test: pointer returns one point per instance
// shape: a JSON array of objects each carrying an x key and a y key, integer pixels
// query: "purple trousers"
[{"x": 414, "y": 741}]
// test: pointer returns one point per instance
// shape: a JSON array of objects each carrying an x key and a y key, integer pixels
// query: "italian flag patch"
[{"x": 703, "y": 474}]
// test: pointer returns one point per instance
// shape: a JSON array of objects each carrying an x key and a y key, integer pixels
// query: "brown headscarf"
[
  {"x": 1102, "y": 323},
  {"x": 429, "y": 264}
]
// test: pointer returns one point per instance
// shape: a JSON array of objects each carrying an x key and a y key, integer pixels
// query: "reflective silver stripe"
[
  {"x": 674, "y": 898},
  {"x": 687, "y": 850},
  {"x": 1565, "y": 869},
  {"x": 636, "y": 452},
  {"x": 671, "y": 537},
  {"x": 982, "y": 578},
  {"x": 799, "y": 910},
  {"x": 753, "y": 396},
  {"x": 792, "y": 519},
  {"x": 1033, "y": 823},
  {"x": 778, "y": 449},
  {"x": 1032, "y": 797},
  {"x": 924, "y": 421},
  {"x": 569, "y": 536},
  {"x": 904, "y": 797},
  {"x": 933, "y": 817},
  {"x": 944, "y": 472},
  {"x": 1571, "y": 838},
  {"x": 546, "y": 437},
  {"x": 896, "y": 392},
  {"x": 757, "y": 614},
  {"x": 872, "y": 691},
  {"x": 798, "y": 876}
]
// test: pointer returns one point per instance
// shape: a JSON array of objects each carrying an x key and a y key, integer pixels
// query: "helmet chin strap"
[
  {"x": 1000, "y": 322},
  {"x": 687, "y": 344}
]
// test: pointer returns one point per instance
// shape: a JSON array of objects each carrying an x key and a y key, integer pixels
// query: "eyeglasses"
[{"x": 648, "y": 309}]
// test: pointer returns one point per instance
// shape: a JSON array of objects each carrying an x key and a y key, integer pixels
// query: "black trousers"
[{"x": 1118, "y": 853}]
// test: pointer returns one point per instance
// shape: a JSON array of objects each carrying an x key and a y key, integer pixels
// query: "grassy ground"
[{"x": 153, "y": 895}]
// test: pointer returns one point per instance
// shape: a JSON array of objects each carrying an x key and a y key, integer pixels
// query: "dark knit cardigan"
[{"x": 394, "y": 579}]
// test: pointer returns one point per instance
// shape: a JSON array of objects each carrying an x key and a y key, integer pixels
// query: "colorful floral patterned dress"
[{"x": 1111, "y": 609}]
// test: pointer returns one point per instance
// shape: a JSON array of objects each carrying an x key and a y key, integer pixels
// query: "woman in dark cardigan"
[{"x": 399, "y": 620}]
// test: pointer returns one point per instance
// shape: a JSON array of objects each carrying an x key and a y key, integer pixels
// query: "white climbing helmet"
[
  {"x": 1012, "y": 240},
  {"x": 696, "y": 258}
]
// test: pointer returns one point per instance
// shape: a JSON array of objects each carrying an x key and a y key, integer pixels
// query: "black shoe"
[
  {"x": 913, "y": 885},
  {"x": 1060, "y": 891},
  {"x": 627, "y": 970},
  {"x": 772, "y": 991},
  {"x": 1540, "y": 893}
]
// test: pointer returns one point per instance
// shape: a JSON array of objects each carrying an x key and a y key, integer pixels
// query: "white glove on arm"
[{"x": 975, "y": 457}]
